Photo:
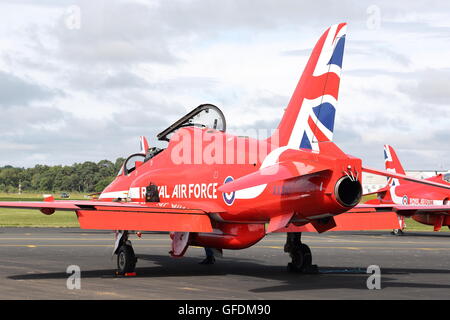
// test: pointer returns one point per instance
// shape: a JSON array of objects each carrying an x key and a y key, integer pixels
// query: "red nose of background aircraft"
[{"x": 213, "y": 189}]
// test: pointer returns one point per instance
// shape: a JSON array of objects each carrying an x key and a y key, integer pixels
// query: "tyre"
[
  {"x": 126, "y": 259},
  {"x": 301, "y": 259},
  {"x": 397, "y": 232},
  {"x": 297, "y": 262},
  {"x": 307, "y": 257}
]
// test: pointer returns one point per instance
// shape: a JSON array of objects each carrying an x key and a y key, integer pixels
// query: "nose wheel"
[
  {"x": 300, "y": 254},
  {"x": 126, "y": 259}
]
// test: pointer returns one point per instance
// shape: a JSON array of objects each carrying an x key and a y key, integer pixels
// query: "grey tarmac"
[{"x": 33, "y": 264}]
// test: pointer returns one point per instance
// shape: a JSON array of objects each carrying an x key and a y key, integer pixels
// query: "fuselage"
[
  {"x": 408, "y": 193},
  {"x": 197, "y": 161}
]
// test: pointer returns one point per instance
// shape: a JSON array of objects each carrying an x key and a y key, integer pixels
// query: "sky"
[{"x": 82, "y": 80}]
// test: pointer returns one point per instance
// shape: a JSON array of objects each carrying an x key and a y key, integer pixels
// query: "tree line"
[{"x": 80, "y": 177}]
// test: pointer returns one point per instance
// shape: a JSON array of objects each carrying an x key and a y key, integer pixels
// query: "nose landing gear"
[
  {"x": 126, "y": 259},
  {"x": 300, "y": 254}
]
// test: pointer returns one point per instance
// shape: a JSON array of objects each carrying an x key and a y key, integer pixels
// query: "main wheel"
[
  {"x": 307, "y": 256},
  {"x": 301, "y": 259},
  {"x": 126, "y": 259},
  {"x": 397, "y": 232}
]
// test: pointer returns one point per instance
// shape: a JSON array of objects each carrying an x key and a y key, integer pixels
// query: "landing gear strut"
[
  {"x": 126, "y": 259},
  {"x": 300, "y": 254}
]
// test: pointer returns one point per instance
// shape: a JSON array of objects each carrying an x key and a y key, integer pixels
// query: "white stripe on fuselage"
[
  {"x": 253, "y": 192},
  {"x": 114, "y": 195}
]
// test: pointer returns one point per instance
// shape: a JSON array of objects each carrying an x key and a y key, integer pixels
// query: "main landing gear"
[
  {"x": 126, "y": 259},
  {"x": 397, "y": 232},
  {"x": 300, "y": 254}
]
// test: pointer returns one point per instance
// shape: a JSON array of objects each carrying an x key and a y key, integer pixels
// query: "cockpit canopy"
[
  {"x": 446, "y": 177},
  {"x": 204, "y": 116},
  {"x": 131, "y": 163}
]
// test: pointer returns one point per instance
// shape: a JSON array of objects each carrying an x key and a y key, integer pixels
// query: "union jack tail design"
[
  {"x": 392, "y": 164},
  {"x": 309, "y": 117}
]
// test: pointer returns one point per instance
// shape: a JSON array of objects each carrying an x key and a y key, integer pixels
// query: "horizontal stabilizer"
[
  {"x": 276, "y": 172},
  {"x": 404, "y": 177}
]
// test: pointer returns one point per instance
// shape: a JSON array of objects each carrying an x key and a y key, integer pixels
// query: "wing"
[
  {"x": 372, "y": 217},
  {"x": 125, "y": 216},
  {"x": 356, "y": 219},
  {"x": 405, "y": 210},
  {"x": 406, "y": 178},
  {"x": 379, "y": 192}
]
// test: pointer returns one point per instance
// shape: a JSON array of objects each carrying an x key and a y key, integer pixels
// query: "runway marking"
[
  {"x": 189, "y": 289},
  {"x": 83, "y": 239},
  {"x": 348, "y": 248},
  {"x": 362, "y": 248},
  {"x": 278, "y": 247},
  {"x": 261, "y": 247},
  {"x": 105, "y": 293},
  {"x": 360, "y": 241},
  {"x": 77, "y": 245}
]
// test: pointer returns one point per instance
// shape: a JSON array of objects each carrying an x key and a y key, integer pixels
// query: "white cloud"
[{"x": 135, "y": 66}]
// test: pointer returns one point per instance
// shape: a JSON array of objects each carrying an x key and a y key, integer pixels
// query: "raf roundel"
[
  {"x": 228, "y": 198},
  {"x": 405, "y": 200}
]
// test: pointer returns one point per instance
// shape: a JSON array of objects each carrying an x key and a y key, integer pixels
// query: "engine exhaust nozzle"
[{"x": 348, "y": 192}]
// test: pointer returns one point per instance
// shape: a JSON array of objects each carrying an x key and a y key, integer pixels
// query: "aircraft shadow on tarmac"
[
  {"x": 328, "y": 277},
  {"x": 412, "y": 234},
  {"x": 428, "y": 234}
]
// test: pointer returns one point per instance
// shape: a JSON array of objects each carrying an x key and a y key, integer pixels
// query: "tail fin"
[
  {"x": 309, "y": 117},
  {"x": 392, "y": 164},
  {"x": 391, "y": 161}
]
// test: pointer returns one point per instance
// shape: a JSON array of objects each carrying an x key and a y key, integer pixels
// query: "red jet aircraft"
[
  {"x": 217, "y": 190},
  {"x": 409, "y": 193}
]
